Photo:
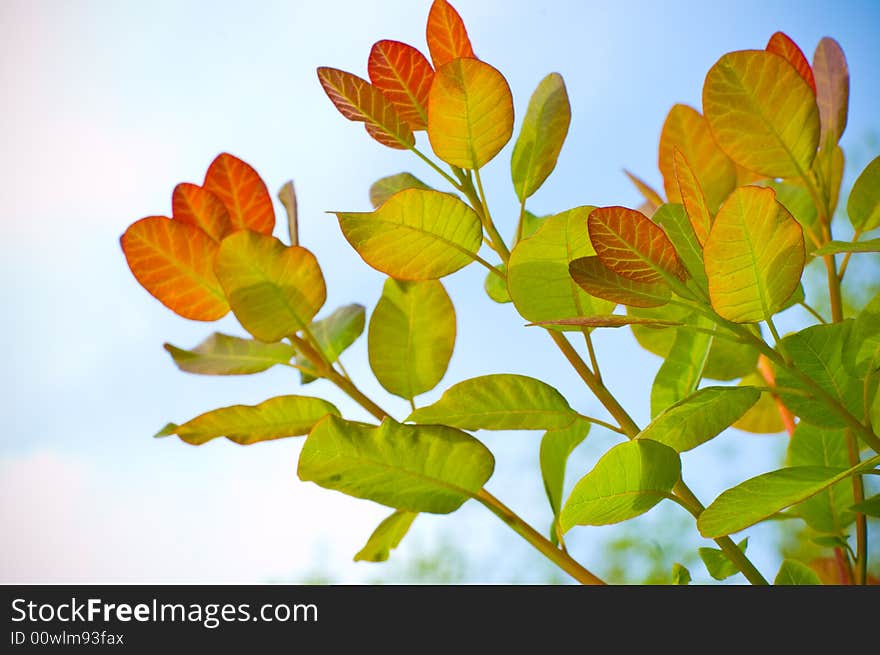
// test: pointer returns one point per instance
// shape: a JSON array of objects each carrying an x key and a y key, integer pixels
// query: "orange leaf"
[
  {"x": 782, "y": 45},
  {"x": 360, "y": 101},
  {"x": 628, "y": 243},
  {"x": 174, "y": 261},
  {"x": 692, "y": 197},
  {"x": 404, "y": 76},
  {"x": 651, "y": 196},
  {"x": 197, "y": 206},
  {"x": 446, "y": 34},
  {"x": 240, "y": 188},
  {"x": 832, "y": 88}
]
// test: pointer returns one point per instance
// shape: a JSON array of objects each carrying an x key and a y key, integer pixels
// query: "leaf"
[
  {"x": 499, "y": 402},
  {"x": 717, "y": 563},
  {"x": 196, "y": 206},
  {"x": 754, "y": 256},
  {"x": 287, "y": 196},
  {"x": 418, "y": 468},
  {"x": 818, "y": 352},
  {"x": 556, "y": 446},
  {"x": 360, "y": 101},
  {"x": 760, "y": 497},
  {"x": 796, "y": 199},
  {"x": 415, "y": 235},
  {"x": 470, "y": 113},
  {"x": 675, "y": 223},
  {"x": 863, "y": 206},
  {"x": 446, "y": 34},
  {"x": 411, "y": 336},
  {"x": 763, "y": 417},
  {"x": 174, "y": 261},
  {"x": 284, "y": 416},
  {"x": 835, "y": 247},
  {"x": 541, "y": 136},
  {"x": 680, "y": 575},
  {"x": 386, "y": 187},
  {"x": 386, "y": 537},
  {"x": 680, "y": 373},
  {"x": 629, "y": 244},
  {"x": 221, "y": 354},
  {"x": 538, "y": 278},
  {"x": 597, "y": 280},
  {"x": 781, "y": 44},
  {"x": 608, "y": 321},
  {"x": 685, "y": 129},
  {"x": 827, "y": 511},
  {"x": 762, "y": 113},
  {"x": 700, "y": 417},
  {"x": 651, "y": 196},
  {"x": 243, "y": 192},
  {"x": 832, "y": 88},
  {"x": 692, "y": 198},
  {"x": 334, "y": 334},
  {"x": 274, "y": 290},
  {"x": 871, "y": 506},
  {"x": 627, "y": 481},
  {"x": 404, "y": 77},
  {"x": 496, "y": 287},
  {"x": 793, "y": 572},
  {"x": 861, "y": 351}
]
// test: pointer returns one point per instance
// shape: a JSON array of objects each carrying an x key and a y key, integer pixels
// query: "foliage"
[{"x": 751, "y": 186}]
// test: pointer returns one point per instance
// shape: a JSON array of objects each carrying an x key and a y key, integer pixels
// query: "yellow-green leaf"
[
  {"x": 717, "y": 563},
  {"x": 386, "y": 187},
  {"x": 679, "y": 229},
  {"x": 835, "y": 247},
  {"x": 386, "y": 537},
  {"x": 333, "y": 335},
  {"x": 793, "y": 572},
  {"x": 863, "y": 206},
  {"x": 221, "y": 354},
  {"x": 556, "y": 446},
  {"x": 597, "y": 280}
]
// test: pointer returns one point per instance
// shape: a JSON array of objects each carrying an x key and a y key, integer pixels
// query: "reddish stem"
[{"x": 766, "y": 370}]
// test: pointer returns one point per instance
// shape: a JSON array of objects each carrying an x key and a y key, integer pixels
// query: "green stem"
[
  {"x": 812, "y": 311},
  {"x": 520, "y": 223},
  {"x": 861, "y": 556},
  {"x": 845, "y": 262},
  {"x": 594, "y": 362},
  {"x": 430, "y": 163}
]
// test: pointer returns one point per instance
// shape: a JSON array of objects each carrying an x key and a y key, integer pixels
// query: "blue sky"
[{"x": 109, "y": 104}]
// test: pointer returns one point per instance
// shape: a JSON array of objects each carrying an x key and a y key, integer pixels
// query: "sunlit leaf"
[
  {"x": 496, "y": 286},
  {"x": 700, "y": 417},
  {"x": 538, "y": 278},
  {"x": 782, "y": 45},
  {"x": 470, "y": 113},
  {"x": 404, "y": 76},
  {"x": 692, "y": 197},
  {"x": 287, "y": 196},
  {"x": 762, "y": 113},
  {"x": 717, "y": 563},
  {"x": 197, "y": 206},
  {"x": 274, "y": 290},
  {"x": 418, "y": 468},
  {"x": 284, "y": 416},
  {"x": 685, "y": 129},
  {"x": 763, "y": 417},
  {"x": 797, "y": 200},
  {"x": 556, "y": 446},
  {"x": 415, "y": 235},
  {"x": 680, "y": 575},
  {"x": 629, "y": 244},
  {"x": 832, "y": 88},
  {"x": 174, "y": 261},
  {"x": 386, "y": 537},
  {"x": 863, "y": 206},
  {"x": 221, "y": 354},
  {"x": 597, "y": 280},
  {"x": 499, "y": 402},
  {"x": 793, "y": 572},
  {"x": 446, "y": 34},
  {"x": 680, "y": 232},
  {"x": 653, "y": 198},
  {"x": 334, "y": 334},
  {"x": 754, "y": 256},
  {"x": 360, "y": 101},
  {"x": 835, "y": 247},
  {"x": 541, "y": 136},
  {"x": 411, "y": 336},
  {"x": 386, "y": 187},
  {"x": 243, "y": 192},
  {"x": 627, "y": 481},
  {"x": 681, "y": 371}
]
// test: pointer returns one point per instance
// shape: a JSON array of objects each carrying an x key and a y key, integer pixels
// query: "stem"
[
  {"x": 603, "y": 424},
  {"x": 593, "y": 361},
  {"x": 861, "y": 563},
  {"x": 412, "y": 404},
  {"x": 430, "y": 163},
  {"x": 815, "y": 314},
  {"x": 833, "y": 289},
  {"x": 845, "y": 262},
  {"x": 521, "y": 220},
  {"x": 480, "y": 197},
  {"x": 527, "y": 532}
]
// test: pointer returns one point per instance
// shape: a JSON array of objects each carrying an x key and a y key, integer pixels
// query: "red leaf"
[
  {"x": 404, "y": 76},
  {"x": 446, "y": 34},
  {"x": 244, "y": 194},
  {"x": 197, "y": 206},
  {"x": 782, "y": 45}
]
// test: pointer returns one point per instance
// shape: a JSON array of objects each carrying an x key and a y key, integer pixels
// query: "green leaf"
[
  {"x": 424, "y": 468},
  {"x": 754, "y": 255},
  {"x": 411, "y": 336},
  {"x": 760, "y": 497},
  {"x": 593, "y": 277},
  {"x": 863, "y": 206},
  {"x": 627, "y": 481},
  {"x": 541, "y": 136},
  {"x": 386, "y": 537},
  {"x": 871, "y": 506},
  {"x": 762, "y": 113},
  {"x": 284, "y": 416},
  {"x": 221, "y": 354},
  {"x": 496, "y": 287},
  {"x": 538, "y": 279},
  {"x": 818, "y": 352},
  {"x": 274, "y": 290},
  {"x": 499, "y": 402},
  {"x": 386, "y": 187},
  {"x": 716, "y": 561},
  {"x": 675, "y": 223},
  {"x": 680, "y": 373},
  {"x": 680, "y": 575},
  {"x": 827, "y": 511},
  {"x": 334, "y": 334},
  {"x": 831, "y": 541},
  {"x": 861, "y": 351},
  {"x": 797, "y": 200},
  {"x": 700, "y": 417},
  {"x": 415, "y": 235},
  {"x": 835, "y": 247},
  {"x": 793, "y": 572},
  {"x": 556, "y": 446}
]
